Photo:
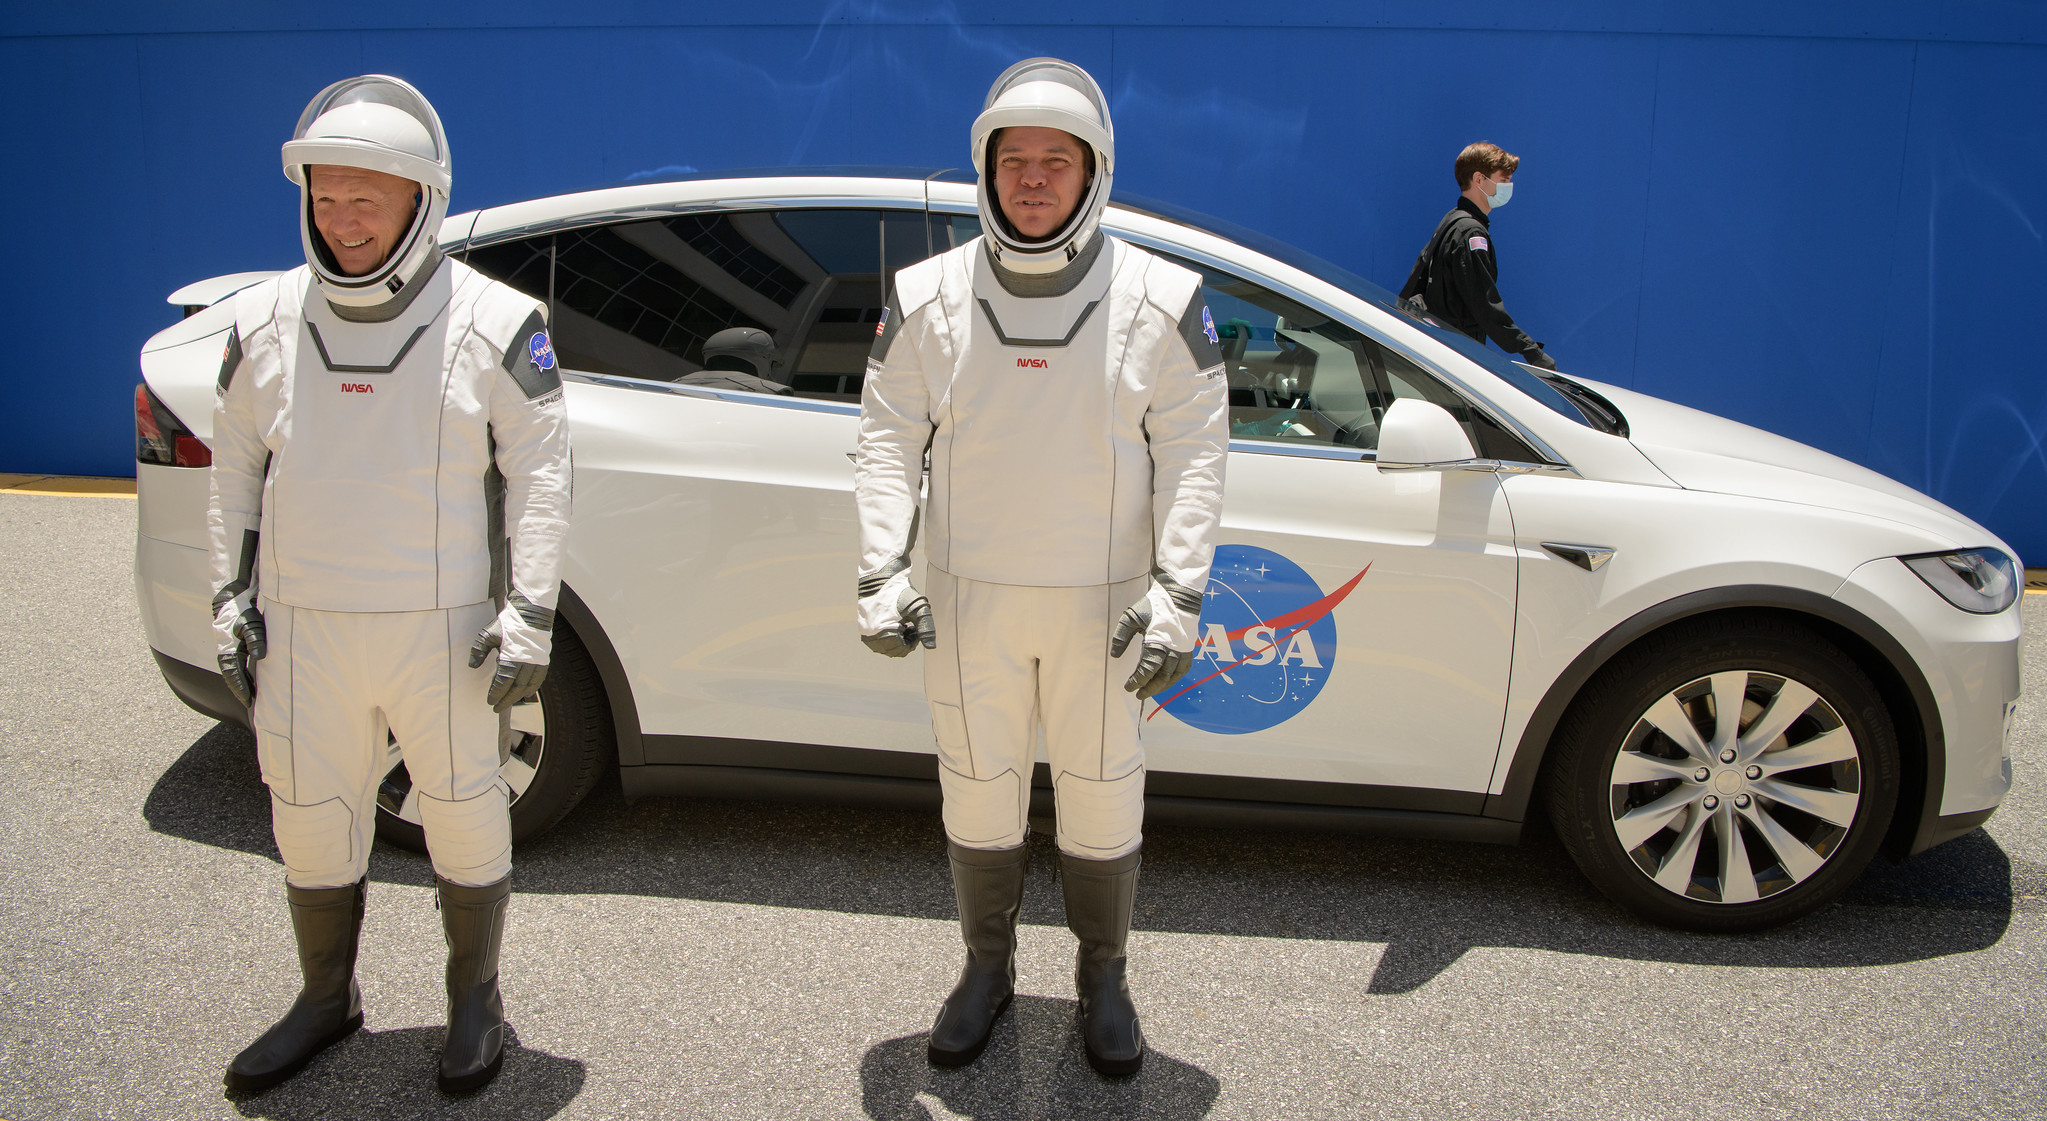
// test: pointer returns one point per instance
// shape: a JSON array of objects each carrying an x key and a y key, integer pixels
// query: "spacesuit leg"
[
  {"x": 450, "y": 739},
  {"x": 1091, "y": 722},
  {"x": 1097, "y": 762},
  {"x": 981, "y": 683},
  {"x": 320, "y": 742}
]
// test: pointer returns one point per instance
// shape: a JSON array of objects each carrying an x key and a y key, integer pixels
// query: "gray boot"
[
  {"x": 327, "y": 923},
  {"x": 989, "y": 887},
  {"x": 1099, "y": 894},
  {"x": 473, "y": 918}
]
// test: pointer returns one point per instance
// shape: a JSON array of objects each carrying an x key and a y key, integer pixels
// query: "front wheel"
[
  {"x": 553, "y": 756},
  {"x": 1728, "y": 774}
]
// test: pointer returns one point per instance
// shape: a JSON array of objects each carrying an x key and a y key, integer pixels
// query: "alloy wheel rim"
[
  {"x": 1735, "y": 787},
  {"x": 520, "y": 761}
]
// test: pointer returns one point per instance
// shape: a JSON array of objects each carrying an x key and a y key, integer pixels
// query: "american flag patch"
[{"x": 1479, "y": 243}]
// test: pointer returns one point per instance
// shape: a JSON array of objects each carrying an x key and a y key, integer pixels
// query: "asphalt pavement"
[{"x": 680, "y": 959}]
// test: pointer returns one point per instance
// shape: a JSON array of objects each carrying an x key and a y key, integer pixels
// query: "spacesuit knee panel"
[
  {"x": 470, "y": 840},
  {"x": 317, "y": 843},
  {"x": 984, "y": 813},
  {"x": 1100, "y": 819}
]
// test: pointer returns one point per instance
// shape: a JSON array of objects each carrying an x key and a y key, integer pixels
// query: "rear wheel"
[
  {"x": 557, "y": 750},
  {"x": 1729, "y": 774}
]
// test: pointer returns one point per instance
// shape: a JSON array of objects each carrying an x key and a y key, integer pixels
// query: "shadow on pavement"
[
  {"x": 391, "y": 1074},
  {"x": 1035, "y": 1069},
  {"x": 1428, "y": 902}
]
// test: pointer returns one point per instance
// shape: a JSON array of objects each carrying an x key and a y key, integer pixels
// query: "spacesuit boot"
[
  {"x": 473, "y": 918},
  {"x": 1099, "y": 894},
  {"x": 328, "y": 925},
  {"x": 989, "y": 886}
]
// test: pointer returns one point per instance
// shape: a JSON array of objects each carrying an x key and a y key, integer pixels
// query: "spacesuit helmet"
[
  {"x": 1048, "y": 93},
  {"x": 377, "y": 123}
]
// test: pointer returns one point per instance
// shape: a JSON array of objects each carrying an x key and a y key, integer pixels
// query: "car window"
[
  {"x": 1298, "y": 376},
  {"x": 638, "y": 299}
]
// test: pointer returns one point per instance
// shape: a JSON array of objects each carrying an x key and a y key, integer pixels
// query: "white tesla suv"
[{"x": 1731, "y": 667}]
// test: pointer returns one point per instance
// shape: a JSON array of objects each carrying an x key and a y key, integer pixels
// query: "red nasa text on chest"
[
  {"x": 357, "y": 387},
  {"x": 1034, "y": 363}
]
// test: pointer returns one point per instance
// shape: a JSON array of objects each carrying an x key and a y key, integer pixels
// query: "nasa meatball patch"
[{"x": 530, "y": 359}]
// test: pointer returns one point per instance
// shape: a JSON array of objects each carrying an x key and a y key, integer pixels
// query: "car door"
[
  {"x": 714, "y": 534},
  {"x": 1358, "y": 626}
]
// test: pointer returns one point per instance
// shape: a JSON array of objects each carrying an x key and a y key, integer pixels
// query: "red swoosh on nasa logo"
[{"x": 1294, "y": 622}]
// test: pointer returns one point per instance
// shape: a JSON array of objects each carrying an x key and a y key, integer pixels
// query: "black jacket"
[{"x": 1457, "y": 276}]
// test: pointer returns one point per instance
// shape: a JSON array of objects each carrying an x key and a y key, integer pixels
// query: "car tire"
[
  {"x": 1693, "y": 824},
  {"x": 573, "y": 743}
]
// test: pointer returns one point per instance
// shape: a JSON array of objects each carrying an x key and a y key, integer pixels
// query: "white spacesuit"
[
  {"x": 390, "y": 497},
  {"x": 1070, "y": 393}
]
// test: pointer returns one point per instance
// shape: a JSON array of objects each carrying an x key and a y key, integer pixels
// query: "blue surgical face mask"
[{"x": 1500, "y": 197}]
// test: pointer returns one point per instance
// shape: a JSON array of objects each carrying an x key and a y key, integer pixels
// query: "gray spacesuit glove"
[
  {"x": 895, "y": 618},
  {"x": 242, "y": 639},
  {"x": 1158, "y": 665},
  {"x": 521, "y": 632}
]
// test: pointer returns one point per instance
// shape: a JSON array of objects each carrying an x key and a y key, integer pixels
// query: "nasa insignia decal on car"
[{"x": 1267, "y": 644}]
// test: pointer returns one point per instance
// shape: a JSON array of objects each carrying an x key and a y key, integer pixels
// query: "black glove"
[
  {"x": 514, "y": 681},
  {"x": 236, "y": 616},
  {"x": 1157, "y": 665},
  {"x": 1538, "y": 358},
  {"x": 914, "y": 626}
]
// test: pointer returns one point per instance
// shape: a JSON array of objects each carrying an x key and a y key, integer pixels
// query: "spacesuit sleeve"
[
  {"x": 530, "y": 431},
  {"x": 234, "y": 504},
  {"x": 888, "y": 468},
  {"x": 1187, "y": 426}
]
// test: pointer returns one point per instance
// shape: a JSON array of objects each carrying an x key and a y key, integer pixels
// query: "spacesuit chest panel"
[
  {"x": 352, "y": 509},
  {"x": 1039, "y": 471}
]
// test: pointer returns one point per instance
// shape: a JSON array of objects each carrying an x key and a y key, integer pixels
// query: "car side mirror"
[{"x": 1421, "y": 435}]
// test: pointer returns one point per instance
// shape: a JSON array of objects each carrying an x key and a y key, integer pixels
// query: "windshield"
[{"x": 1508, "y": 370}]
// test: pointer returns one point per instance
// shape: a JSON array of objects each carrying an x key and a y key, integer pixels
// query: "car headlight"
[{"x": 1979, "y": 581}]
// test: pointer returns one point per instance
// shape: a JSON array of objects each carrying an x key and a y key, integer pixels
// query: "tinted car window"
[{"x": 638, "y": 299}]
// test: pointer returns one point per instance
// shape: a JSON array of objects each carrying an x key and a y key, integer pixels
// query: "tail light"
[{"x": 161, "y": 438}]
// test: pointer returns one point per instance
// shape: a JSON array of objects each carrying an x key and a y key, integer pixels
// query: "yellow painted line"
[{"x": 76, "y": 486}]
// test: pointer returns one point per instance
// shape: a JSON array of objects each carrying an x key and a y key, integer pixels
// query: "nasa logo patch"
[
  {"x": 1478, "y": 243},
  {"x": 1208, "y": 325},
  {"x": 1266, "y": 645},
  {"x": 541, "y": 351}
]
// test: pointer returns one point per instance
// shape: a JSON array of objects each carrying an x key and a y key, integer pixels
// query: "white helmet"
[
  {"x": 382, "y": 124},
  {"x": 1048, "y": 93}
]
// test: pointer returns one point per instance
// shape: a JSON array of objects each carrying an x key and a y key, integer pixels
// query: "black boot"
[
  {"x": 473, "y": 919},
  {"x": 989, "y": 887},
  {"x": 327, "y": 923},
  {"x": 1099, "y": 894}
]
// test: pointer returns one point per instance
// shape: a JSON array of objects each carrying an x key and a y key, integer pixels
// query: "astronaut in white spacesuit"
[
  {"x": 1069, "y": 390},
  {"x": 390, "y": 496}
]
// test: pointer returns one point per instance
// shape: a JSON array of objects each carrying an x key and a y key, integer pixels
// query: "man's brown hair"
[{"x": 1484, "y": 158}]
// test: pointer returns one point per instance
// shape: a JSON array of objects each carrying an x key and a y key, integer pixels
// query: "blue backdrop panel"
[{"x": 1824, "y": 219}]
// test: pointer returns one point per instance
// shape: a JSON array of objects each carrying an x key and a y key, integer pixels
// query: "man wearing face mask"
[
  {"x": 1456, "y": 276},
  {"x": 390, "y": 494},
  {"x": 1069, "y": 390}
]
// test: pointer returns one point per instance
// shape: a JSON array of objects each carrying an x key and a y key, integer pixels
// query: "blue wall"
[{"x": 1822, "y": 219}]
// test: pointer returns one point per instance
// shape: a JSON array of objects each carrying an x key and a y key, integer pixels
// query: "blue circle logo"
[
  {"x": 1267, "y": 644},
  {"x": 541, "y": 350}
]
